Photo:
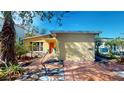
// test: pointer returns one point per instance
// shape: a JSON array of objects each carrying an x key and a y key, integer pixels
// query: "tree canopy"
[{"x": 26, "y": 17}]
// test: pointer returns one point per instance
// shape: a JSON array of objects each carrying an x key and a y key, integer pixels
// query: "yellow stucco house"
[{"x": 69, "y": 45}]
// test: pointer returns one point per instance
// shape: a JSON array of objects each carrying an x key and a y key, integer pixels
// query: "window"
[
  {"x": 37, "y": 46},
  {"x": 40, "y": 46}
]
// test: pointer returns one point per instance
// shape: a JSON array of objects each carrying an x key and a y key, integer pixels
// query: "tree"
[
  {"x": 110, "y": 43},
  {"x": 26, "y": 17},
  {"x": 8, "y": 39},
  {"x": 120, "y": 43},
  {"x": 115, "y": 42},
  {"x": 29, "y": 34},
  {"x": 32, "y": 31}
]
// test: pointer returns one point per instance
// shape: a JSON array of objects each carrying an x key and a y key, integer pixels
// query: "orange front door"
[{"x": 51, "y": 46}]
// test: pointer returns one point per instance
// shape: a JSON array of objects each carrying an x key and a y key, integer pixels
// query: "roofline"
[
  {"x": 36, "y": 36},
  {"x": 75, "y": 32}
]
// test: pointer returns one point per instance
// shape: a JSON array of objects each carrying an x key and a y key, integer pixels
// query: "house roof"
[
  {"x": 67, "y": 32},
  {"x": 37, "y": 36},
  {"x": 57, "y": 32}
]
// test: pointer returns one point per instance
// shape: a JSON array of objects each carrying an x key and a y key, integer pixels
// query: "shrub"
[
  {"x": 3, "y": 75},
  {"x": 11, "y": 73},
  {"x": 120, "y": 60},
  {"x": 21, "y": 50}
]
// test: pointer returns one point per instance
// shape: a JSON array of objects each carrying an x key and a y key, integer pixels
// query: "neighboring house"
[
  {"x": 69, "y": 45},
  {"x": 104, "y": 49}
]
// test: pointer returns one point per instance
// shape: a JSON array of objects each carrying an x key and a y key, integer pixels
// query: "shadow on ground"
[{"x": 89, "y": 71}]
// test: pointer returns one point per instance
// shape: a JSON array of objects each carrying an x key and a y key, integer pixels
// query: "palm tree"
[{"x": 8, "y": 39}]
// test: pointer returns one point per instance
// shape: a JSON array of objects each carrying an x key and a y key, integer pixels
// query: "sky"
[{"x": 110, "y": 23}]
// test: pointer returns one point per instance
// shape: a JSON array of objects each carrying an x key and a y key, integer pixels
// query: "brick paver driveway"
[{"x": 90, "y": 71}]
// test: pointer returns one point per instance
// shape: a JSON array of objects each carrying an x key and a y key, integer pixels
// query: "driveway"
[{"x": 90, "y": 71}]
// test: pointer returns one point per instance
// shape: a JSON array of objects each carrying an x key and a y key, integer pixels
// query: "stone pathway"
[{"x": 55, "y": 72}]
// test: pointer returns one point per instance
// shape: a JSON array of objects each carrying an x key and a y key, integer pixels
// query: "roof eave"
[{"x": 95, "y": 33}]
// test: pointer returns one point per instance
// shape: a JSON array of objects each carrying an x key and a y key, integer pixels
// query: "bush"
[
  {"x": 107, "y": 56},
  {"x": 3, "y": 75},
  {"x": 11, "y": 73},
  {"x": 120, "y": 60},
  {"x": 21, "y": 50}
]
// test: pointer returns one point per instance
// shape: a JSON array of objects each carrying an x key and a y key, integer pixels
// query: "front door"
[{"x": 51, "y": 46}]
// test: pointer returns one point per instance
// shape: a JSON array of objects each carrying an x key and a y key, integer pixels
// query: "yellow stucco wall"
[
  {"x": 45, "y": 45},
  {"x": 45, "y": 39},
  {"x": 76, "y": 47}
]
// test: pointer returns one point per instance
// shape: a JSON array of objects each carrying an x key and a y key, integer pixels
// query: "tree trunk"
[{"x": 8, "y": 39}]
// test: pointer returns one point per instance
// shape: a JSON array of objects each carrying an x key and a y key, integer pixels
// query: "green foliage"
[
  {"x": 3, "y": 75},
  {"x": 108, "y": 56},
  {"x": 115, "y": 42},
  {"x": 27, "y": 16},
  {"x": 29, "y": 35},
  {"x": 20, "y": 50},
  {"x": 120, "y": 60},
  {"x": 10, "y": 73}
]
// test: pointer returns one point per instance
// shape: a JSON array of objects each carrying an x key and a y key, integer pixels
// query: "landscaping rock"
[
  {"x": 24, "y": 77},
  {"x": 61, "y": 74},
  {"x": 39, "y": 74},
  {"x": 18, "y": 80},
  {"x": 43, "y": 71},
  {"x": 61, "y": 79},
  {"x": 44, "y": 78},
  {"x": 35, "y": 76},
  {"x": 120, "y": 73},
  {"x": 28, "y": 73}
]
